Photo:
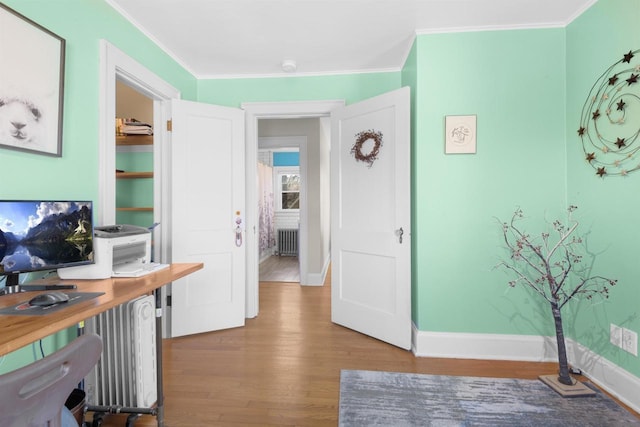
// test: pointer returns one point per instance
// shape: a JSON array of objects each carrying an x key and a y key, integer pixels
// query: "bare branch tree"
[{"x": 549, "y": 264}]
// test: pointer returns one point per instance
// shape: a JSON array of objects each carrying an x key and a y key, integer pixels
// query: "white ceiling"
[{"x": 251, "y": 38}]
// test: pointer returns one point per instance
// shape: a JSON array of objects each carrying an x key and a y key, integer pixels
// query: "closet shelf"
[
  {"x": 133, "y": 175},
  {"x": 140, "y": 209},
  {"x": 134, "y": 139}
]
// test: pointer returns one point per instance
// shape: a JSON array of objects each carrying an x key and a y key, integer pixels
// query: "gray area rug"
[{"x": 370, "y": 398}]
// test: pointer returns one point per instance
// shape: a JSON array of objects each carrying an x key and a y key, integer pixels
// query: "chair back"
[{"x": 34, "y": 395}]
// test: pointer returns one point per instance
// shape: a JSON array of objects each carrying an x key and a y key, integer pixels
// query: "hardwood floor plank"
[
  {"x": 280, "y": 269},
  {"x": 283, "y": 367}
]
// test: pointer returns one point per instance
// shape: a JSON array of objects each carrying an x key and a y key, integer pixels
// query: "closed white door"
[
  {"x": 371, "y": 217},
  {"x": 207, "y": 216}
]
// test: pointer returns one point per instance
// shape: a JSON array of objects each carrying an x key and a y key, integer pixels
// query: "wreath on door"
[{"x": 361, "y": 138}]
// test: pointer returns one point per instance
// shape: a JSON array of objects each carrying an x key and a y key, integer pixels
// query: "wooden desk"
[
  {"x": 22, "y": 330},
  {"x": 19, "y": 331}
]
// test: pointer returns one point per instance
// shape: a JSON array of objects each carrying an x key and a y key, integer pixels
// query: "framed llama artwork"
[{"x": 31, "y": 85}]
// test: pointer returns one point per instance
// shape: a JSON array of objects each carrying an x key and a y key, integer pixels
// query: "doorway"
[
  {"x": 389, "y": 114},
  {"x": 313, "y": 265},
  {"x": 282, "y": 198},
  {"x": 119, "y": 67}
]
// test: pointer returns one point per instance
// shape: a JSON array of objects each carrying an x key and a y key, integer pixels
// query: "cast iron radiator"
[{"x": 288, "y": 242}]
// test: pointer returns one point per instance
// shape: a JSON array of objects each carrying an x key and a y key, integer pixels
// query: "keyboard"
[{"x": 137, "y": 269}]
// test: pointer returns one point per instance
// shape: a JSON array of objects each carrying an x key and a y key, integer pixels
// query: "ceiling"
[{"x": 252, "y": 38}]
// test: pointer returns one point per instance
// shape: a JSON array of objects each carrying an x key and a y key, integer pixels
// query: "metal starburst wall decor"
[{"x": 610, "y": 119}]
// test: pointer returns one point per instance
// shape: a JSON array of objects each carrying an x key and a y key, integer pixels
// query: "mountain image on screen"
[{"x": 60, "y": 237}]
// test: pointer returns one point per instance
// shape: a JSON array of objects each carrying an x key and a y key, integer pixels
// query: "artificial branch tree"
[{"x": 550, "y": 264}]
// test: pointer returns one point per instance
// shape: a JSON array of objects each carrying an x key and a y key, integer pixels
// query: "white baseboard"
[
  {"x": 610, "y": 377},
  {"x": 314, "y": 279},
  {"x": 317, "y": 279},
  {"x": 606, "y": 374},
  {"x": 484, "y": 346}
]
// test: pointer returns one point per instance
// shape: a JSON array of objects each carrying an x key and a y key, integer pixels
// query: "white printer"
[{"x": 119, "y": 251}]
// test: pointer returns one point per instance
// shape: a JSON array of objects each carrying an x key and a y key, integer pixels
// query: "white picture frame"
[{"x": 460, "y": 134}]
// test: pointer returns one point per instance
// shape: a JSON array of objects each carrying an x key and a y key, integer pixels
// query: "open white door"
[
  {"x": 371, "y": 218},
  {"x": 207, "y": 216}
]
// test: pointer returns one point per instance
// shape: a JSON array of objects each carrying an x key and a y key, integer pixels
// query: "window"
[{"x": 288, "y": 188}]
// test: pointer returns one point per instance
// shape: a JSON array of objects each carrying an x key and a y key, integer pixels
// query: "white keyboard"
[{"x": 137, "y": 269}]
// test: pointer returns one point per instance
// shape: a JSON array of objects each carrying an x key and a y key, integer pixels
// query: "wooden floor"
[
  {"x": 283, "y": 367},
  {"x": 280, "y": 269}
]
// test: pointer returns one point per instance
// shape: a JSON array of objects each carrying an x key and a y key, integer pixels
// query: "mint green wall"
[
  {"x": 82, "y": 23},
  {"x": 595, "y": 41},
  {"x": 350, "y": 87},
  {"x": 514, "y": 82}
]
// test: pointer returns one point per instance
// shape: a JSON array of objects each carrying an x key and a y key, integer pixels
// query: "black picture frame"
[{"x": 31, "y": 85}]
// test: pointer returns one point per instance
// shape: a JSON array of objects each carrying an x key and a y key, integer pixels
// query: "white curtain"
[{"x": 267, "y": 231}]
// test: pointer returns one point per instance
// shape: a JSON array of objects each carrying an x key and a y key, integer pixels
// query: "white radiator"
[
  {"x": 126, "y": 373},
  {"x": 288, "y": 242}
]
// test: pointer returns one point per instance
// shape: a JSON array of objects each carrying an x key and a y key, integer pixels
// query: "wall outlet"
[
  {"x": 630, "y": 341},
  {"x": 615, "y": 335}
]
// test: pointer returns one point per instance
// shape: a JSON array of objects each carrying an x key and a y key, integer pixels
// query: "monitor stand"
[{"x": 13, "y": 286}]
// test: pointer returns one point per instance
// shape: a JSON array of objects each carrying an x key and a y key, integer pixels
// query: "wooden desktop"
[{"x": 17, "y": 331}]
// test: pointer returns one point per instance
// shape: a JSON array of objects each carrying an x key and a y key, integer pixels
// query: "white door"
[
  {"x": 370, "y": 217},
  {"x": 207, "y": 208}
]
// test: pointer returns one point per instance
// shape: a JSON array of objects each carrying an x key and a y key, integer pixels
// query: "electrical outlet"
[
  {"x": 615, "y": 335},
  {"x": 630, "y": 341}
]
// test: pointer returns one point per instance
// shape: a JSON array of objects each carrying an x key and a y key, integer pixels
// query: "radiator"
[
  {"x": 126, "y": 372},
  {"x": 288, "y": 242}
]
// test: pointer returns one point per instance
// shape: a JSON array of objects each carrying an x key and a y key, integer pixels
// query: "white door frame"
[
  {"x": 116, "y": 65},
  {"x": 254, "y": 112}
]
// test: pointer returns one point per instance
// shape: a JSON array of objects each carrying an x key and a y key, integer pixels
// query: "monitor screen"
[{"x": 40, "y": 235}]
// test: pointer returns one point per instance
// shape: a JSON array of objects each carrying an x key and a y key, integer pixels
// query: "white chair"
[{"x": 34, "y": 395}]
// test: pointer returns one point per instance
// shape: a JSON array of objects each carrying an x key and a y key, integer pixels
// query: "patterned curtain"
[{"x": 267, "y": 231}]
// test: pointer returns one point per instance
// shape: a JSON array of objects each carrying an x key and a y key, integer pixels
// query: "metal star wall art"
[{"x": 610, "y": 120}]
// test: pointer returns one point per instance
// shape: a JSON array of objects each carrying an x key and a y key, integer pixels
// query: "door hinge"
[
  {"x": 168, "y": 300},
  {"x": 169, "y": 125}
]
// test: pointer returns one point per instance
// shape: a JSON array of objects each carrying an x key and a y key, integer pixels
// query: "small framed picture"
[{"x": 460, "y": 134}]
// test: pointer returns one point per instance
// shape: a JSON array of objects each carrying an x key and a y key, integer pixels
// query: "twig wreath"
[{"x": 361, "y": 138}]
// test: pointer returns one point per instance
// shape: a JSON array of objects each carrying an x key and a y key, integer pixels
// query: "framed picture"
[
  {"x": 460, "y": 135},
  {"x": 31, "y": 85}
]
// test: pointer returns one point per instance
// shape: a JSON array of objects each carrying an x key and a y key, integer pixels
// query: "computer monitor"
[{"x": 37, "y": 235}]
